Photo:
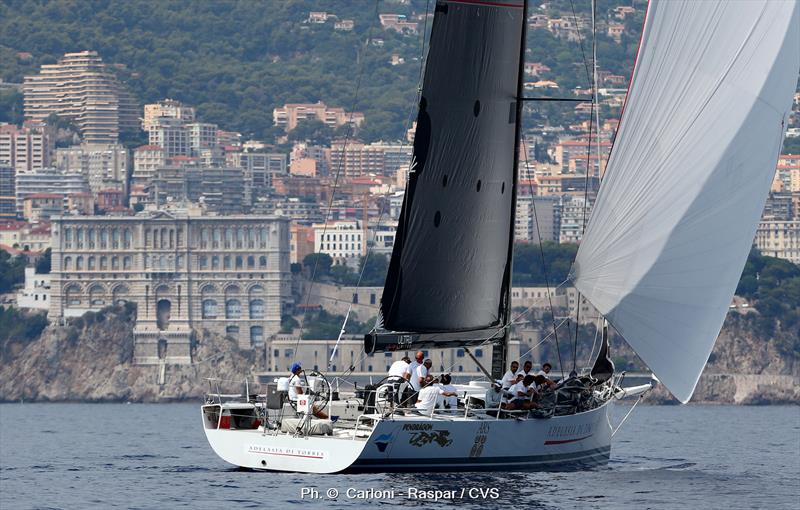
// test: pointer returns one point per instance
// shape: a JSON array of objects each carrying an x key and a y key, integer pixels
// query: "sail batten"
[
  {"x": 449, "y": 267},
  {"x": 688, "y": 176}
]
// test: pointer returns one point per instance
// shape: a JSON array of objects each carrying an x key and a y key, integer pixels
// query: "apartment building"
[
  {"x": 8, "y": 191},
  {"x": 27, "y": 148},
  {"x": 81, "y": 89},
  {"x": 290, "y": 114},
  {"x": 167, "y": 108},
  {"x": 105, "y": 166}
]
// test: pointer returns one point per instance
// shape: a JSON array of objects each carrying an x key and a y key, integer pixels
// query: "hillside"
[{"x": 237, "y": 60}]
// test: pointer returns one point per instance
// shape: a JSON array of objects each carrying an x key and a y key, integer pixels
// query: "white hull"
[{"x": 420, "y": 443}]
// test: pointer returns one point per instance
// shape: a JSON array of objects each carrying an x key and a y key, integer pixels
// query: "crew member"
[{"x": 297, "y": 387}]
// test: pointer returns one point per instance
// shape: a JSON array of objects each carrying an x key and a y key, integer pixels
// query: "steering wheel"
[{"x": 322, "y": 396}]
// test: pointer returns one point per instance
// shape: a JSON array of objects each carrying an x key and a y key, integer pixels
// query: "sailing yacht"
[{"x": 675, "y": 216}]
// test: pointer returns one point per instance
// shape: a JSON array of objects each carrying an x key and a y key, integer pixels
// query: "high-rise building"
[
  {"x": 537, "y": 218},
  {"x": 260, "y": 168},
  {"x": 26, "y": 148},
  {"x": 104, "y": 165},
  {"x": 202, "y": 136},
  {"x": 49, "y": 180},
  {"x": 171, "y": 135},
  {"x": 575, "y": 212},
  {"x": 146, "y": 160},
  {"x": 81, "y": 89},
  {"x": 166, "y": 108},
  {"x": 8, "y": 189}
]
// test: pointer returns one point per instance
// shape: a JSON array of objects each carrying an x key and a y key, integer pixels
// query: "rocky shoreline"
[{"x": 90, "y": 360}]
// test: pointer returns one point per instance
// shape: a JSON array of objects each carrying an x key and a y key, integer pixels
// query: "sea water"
[{"x": 80, "y": 456}]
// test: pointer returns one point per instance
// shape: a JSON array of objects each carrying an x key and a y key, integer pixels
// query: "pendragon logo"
[
  {"x": 441, "y": 437},
  {"x": 382, "y": 442}
]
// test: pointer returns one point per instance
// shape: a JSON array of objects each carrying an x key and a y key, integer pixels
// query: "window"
[
  {"x": 204, "y": 238},
  {"x": 126, "y": 238},
  {"x": 226, "y": 262},
  {"x": 114, "y": 238},
  {"x": 115, "y": 262},
  {"x": 262, "y": 262},
  {"x": 90, "y": 237},
  {"x": 90, "y": 264},
  {"x": 103, "y": 263},
  {"x": 209, "y": 309},
  {"x": 233, "y": 309},
  {"x": 256, "y": 336},
  {"x": 239, "y": 262},
  {"x": 460, "y": 353},
  {"x": 478, "y": 353},
  {"x": 355, "y": 298},
  {"x": 68, "y": 237},
  {"x": 257, "y": 309},
  {"x": 232, "y": 331},
  {"x": 251, "y": 262},
  {"x": 179, "y": 262},
  {"x": 79, "y": 264},
  {"x": 203, "y": 262},
  {"x": 372, "y": 298},
  {"x": 276, "y": 353},
  {"x": 68, "y": 263},
  {"x": 288, "y": 353},
  {"x": 215, "y": 262}
]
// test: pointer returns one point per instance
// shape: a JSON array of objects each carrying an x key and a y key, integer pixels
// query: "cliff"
[{"x": 90, "y": 359}]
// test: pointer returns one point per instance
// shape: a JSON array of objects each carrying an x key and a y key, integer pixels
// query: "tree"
[
  {"x": 43, "y": 263},
  {"x": 321, "y": 261},
  {"x": 312, "y": 130}
]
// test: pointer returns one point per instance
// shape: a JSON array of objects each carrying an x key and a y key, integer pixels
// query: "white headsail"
[{"x": 688, "y": 176}]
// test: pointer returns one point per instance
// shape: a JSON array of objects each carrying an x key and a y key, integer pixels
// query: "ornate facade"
[{"x": 184, "y": 272}]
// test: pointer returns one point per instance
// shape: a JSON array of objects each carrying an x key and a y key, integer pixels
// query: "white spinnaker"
[{"x": 689, "y": 175}]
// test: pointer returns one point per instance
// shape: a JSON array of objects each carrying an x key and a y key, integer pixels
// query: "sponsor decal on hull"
[
  {"x": 565, "y": 434},
  {"x": 280, "y": 451},
  {"x": 423, "y": 434}
]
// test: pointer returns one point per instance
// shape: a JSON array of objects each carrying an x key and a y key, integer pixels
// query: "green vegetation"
[
  {"x": 773, "y": 286},
  {"x": 374, "y": 273},
  {"x": 12, "y": 271},
  {"x": 44, "y": 262},
  {"x": 326, "y": 326},
  {"x": 17, "y": 329},
  {"x": 236, "y": 61},
  {"x": 528, "y": 267}
]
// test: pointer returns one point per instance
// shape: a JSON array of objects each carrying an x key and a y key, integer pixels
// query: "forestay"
[
  {"x": 449, "y": 268},
  {"x": 688, "y": 176}
]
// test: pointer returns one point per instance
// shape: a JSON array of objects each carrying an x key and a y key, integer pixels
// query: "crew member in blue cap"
[{"x": 297, "y": 386}]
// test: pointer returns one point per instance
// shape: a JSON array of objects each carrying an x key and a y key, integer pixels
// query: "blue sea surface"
[{"x": 142, "y": 456}]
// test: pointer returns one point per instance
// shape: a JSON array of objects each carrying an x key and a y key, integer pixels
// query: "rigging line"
[
  {"x": 420, "y": 77},
  {"x": 580, "y": 42},
  {"x": 541, "y": 252},
  {"x": 338, "y": 170},
  {"x": 403, "y": 144},
  {"x": 588, "y": 164}
]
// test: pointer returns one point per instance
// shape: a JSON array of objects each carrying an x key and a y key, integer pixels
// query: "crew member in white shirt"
[
  {"x": 527, "y": 369},
  {"x": 430, "y": 395},
  {"x": 421, "y": 372},
  {"x": 545, "y": 372},
  {"x": 400, "y": 367},
  {"x": 297, "y": 387},
  {"x": 511, "y": 375},
  {"x": 451, "y": 400},
  {"x": 411, "y": 372}
]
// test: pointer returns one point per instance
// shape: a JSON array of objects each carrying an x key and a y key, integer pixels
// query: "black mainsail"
[{"x": 450, "y": 272}]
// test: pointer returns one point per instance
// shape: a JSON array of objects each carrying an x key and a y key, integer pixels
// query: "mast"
[{"x": 500, "y": 349}]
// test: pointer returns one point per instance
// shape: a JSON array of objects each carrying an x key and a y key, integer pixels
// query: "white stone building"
[
  {"x": 184, "y": 271},
  {"x": 36, "y": 292}
]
